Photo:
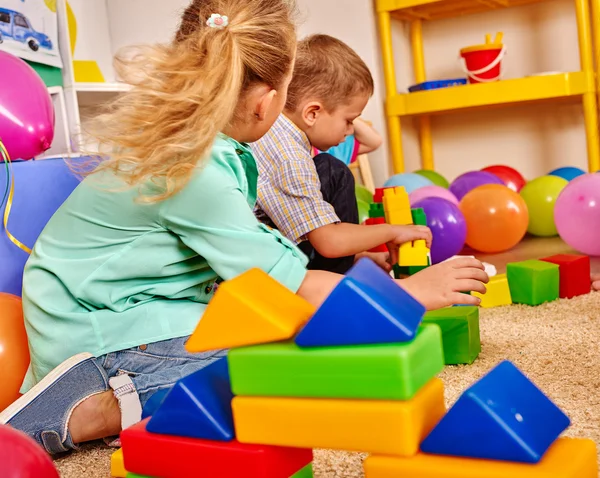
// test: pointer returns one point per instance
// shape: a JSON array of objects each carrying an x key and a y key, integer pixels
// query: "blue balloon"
[
  {"x": 410, "y": 181},
  {"x": 568, "y": 172}
]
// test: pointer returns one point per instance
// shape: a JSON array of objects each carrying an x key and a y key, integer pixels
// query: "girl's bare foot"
[{"x": 441, "y": 285}]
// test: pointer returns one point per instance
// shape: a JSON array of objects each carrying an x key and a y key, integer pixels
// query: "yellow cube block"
[
  {"x": 498, "y": 292},
  {"x": 251, "y": 309},
  {"x": 374, "y": 426},
  {"x": 398, "y": 217},
  {"x": 396, "y": 198},
  {"x": 117, "y": 466},
  {"x": 566, "y": 458},
  {"x": 413, "y": 254}
]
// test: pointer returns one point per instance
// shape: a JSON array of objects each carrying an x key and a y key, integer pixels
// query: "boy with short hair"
[{"x": 312, "y": 200}]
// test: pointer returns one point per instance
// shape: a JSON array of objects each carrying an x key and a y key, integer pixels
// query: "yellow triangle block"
[
  {"x": 566, "y": 458},
  {"x": 251, "y": 309},
  {"x": 117, "y": 468}
]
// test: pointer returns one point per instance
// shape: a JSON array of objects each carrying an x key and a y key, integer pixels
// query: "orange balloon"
[
  {"x": 14, "y": 350},
  {"x": 496, "y": 216}
]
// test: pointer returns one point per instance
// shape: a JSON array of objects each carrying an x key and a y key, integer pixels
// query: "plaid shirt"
[{"x": 289, "y": 190}]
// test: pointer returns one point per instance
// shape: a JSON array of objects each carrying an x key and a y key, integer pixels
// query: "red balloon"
[
  {"x": 22, "y": 457},
  {"x": 509, "y": 176}
]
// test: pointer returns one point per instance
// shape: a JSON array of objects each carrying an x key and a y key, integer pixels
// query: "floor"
[{"x": 557, "y": 345}]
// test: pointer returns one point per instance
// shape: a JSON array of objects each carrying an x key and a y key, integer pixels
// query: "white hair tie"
[{"x": 217, "y": 21}]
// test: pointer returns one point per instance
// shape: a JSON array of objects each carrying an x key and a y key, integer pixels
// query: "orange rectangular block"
[
  {"x": 373, "y": 426},
  {"x": 566, "y": 458},
  {"x": 251, "y": 309}
]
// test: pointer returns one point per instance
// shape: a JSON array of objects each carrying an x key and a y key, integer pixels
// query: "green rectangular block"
[
  {"x": 418, "y": 216},
  {"x": 394, "y": 371},
  {"x": 533, "y": 282},
  {"x": 135, "y": 475},
  {"x": 376, "y": 210},
  {"x": 460, "y": 333},
  {"x": 306, "y": 472}
]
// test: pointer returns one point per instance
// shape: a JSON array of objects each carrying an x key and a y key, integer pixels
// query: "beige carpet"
[{"x": 557, "y": 345}]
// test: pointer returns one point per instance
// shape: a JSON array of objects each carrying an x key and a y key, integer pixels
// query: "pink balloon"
[
  {"x": 577, "y": 214},
  {"x": 26, "y": 112},
  {"x": 432, "y": 192}
]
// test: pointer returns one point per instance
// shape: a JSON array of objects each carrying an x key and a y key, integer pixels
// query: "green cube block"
[
  {"x": 418, "y": 216},
  {"x": 394, "y": 371},
  {"x": 533, "y": 282},
  {"x": 460, "y": 333},
  {"x": 376, "y": 210},
  {"x": 306, "y": 472}
]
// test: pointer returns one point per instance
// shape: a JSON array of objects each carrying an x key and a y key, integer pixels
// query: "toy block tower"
[
  {"x": 397, "y": 206},
  {"x": 503, "y": 425}
]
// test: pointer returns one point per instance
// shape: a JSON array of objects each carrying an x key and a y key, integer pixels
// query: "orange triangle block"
[{"x": 251, "y": 309}]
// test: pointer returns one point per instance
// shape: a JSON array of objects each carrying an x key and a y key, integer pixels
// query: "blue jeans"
[{"x": 156, "y": 366}]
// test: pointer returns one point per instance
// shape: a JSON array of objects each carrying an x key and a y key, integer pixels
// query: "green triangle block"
[
  {"x": 460, "y": 333},
  {"x": 394, "y": 371},
  {"x": 418, "y": 216},
  {"x": 306, "y": 472},
  {"x": 376, "y": 210},
  {"x": 533, "y": 282}
]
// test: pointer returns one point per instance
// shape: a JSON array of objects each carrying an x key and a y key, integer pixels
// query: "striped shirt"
[{"x": 289, "y": 189}]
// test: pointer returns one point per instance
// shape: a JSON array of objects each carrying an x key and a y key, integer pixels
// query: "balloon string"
[{"x": 10, "y": 187}]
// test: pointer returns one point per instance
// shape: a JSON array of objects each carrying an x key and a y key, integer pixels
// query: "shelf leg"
[
  {"x": 389, "y": 73},
  {"x": 425, "y": 138},
  {"x": 590, "y": 105}
]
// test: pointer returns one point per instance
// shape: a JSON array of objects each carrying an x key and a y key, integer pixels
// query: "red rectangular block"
[
  {"x": 168, "y": 456},
  {"x": 378, "y": 196},
  {"x": 372, "y": 221},
  {"x": 574, "y": 274}
]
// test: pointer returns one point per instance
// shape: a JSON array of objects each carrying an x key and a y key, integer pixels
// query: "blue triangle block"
[
  {"x": 198, "y": 406},
  {"x": 503, "y": 416},
  {"x": 366, "y": 307},
  {"x": 154, "y": 402}
]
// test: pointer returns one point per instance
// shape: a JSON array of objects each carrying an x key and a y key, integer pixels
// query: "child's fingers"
[
  {"x": 464, "y": 262},
  {"x": 472, "y": 273},
  {"x": 471, "y": 285},
  {"x": 465, "y": 299}
]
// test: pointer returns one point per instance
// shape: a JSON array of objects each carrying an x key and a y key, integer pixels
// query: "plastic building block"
[
  {"x": 374, "y": 426},
  {"x": 117, "y": 467},
  {"x": 366, "y": 307},
  {"x": 566, "y": 458},
  {"x": 251, "y": 309},
  {"x": 198, "y": 406},
  {"x": 383, "y": 371},
  {"x": 409, "y": 270},
  {"x": 574, "y": 273},
  {"x": 179, "y": 457},
  {"x": 533, "y": 282},
  {"x": 414, "y": 254},
  {"x": 419, "y": 217},
  {"x": 397, "y": 206},
  {"x": 372, "y": 221},
  {"x": 498, "y": 292},
  {"x": 135, "y": 475},
  {"x": 503, "y": 416},
  {"x": 306, "y": 472},
  {"x": 376, "y": 210},
  {"x": 379, "y": 192},
  {"x": 460, "y": 333},
  {"x": 154, "y": 402}
]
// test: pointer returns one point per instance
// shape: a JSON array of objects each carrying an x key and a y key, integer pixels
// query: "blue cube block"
[
  {"x": 503, "y": 416},
  {"x": 198, "y": 406},
  {"x": 366, "y": 307}
]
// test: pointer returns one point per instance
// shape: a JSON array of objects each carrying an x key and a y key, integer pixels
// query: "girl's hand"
[
  {"x": 441, "y": 285},
  {"x": 382, "y": 259}
]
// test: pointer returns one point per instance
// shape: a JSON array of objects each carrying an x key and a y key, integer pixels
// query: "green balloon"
[
  {"x": 363, "y": 211},
  {"x": 540, "y": 196},
  {"x": 435, "y": 178},
  {"x": 363, "y": 194}
]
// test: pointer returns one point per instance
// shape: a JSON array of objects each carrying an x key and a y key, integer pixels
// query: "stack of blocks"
[{"x": 357, "y": 374}]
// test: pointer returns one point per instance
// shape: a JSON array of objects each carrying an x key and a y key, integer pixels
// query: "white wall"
[{"x": 541, "y": 37}]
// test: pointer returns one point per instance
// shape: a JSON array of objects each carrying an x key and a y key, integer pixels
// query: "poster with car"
[{"x": 29, "y": 29}]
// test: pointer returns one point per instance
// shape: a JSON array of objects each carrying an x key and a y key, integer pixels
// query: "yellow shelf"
[
  {"x": 534, "y": 88},
  {"x": 436, "y": 9}
]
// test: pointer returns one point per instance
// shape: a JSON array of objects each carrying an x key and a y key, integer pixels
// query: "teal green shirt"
[{"x": 109, "y": 272}]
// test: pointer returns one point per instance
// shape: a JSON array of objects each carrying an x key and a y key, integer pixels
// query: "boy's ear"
[
  {"x": 311, "y": 112},
  {"x": 264, "y": 104}
]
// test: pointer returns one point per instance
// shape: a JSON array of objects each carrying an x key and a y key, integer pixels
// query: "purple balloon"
[
  {"x": 448, "y": 227},
  {"x": 468, "y": 181},
  {"x": 432, "y": 192},
  {"x": 577, "y": 214},
  {"x": 26, "y": 112}
]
